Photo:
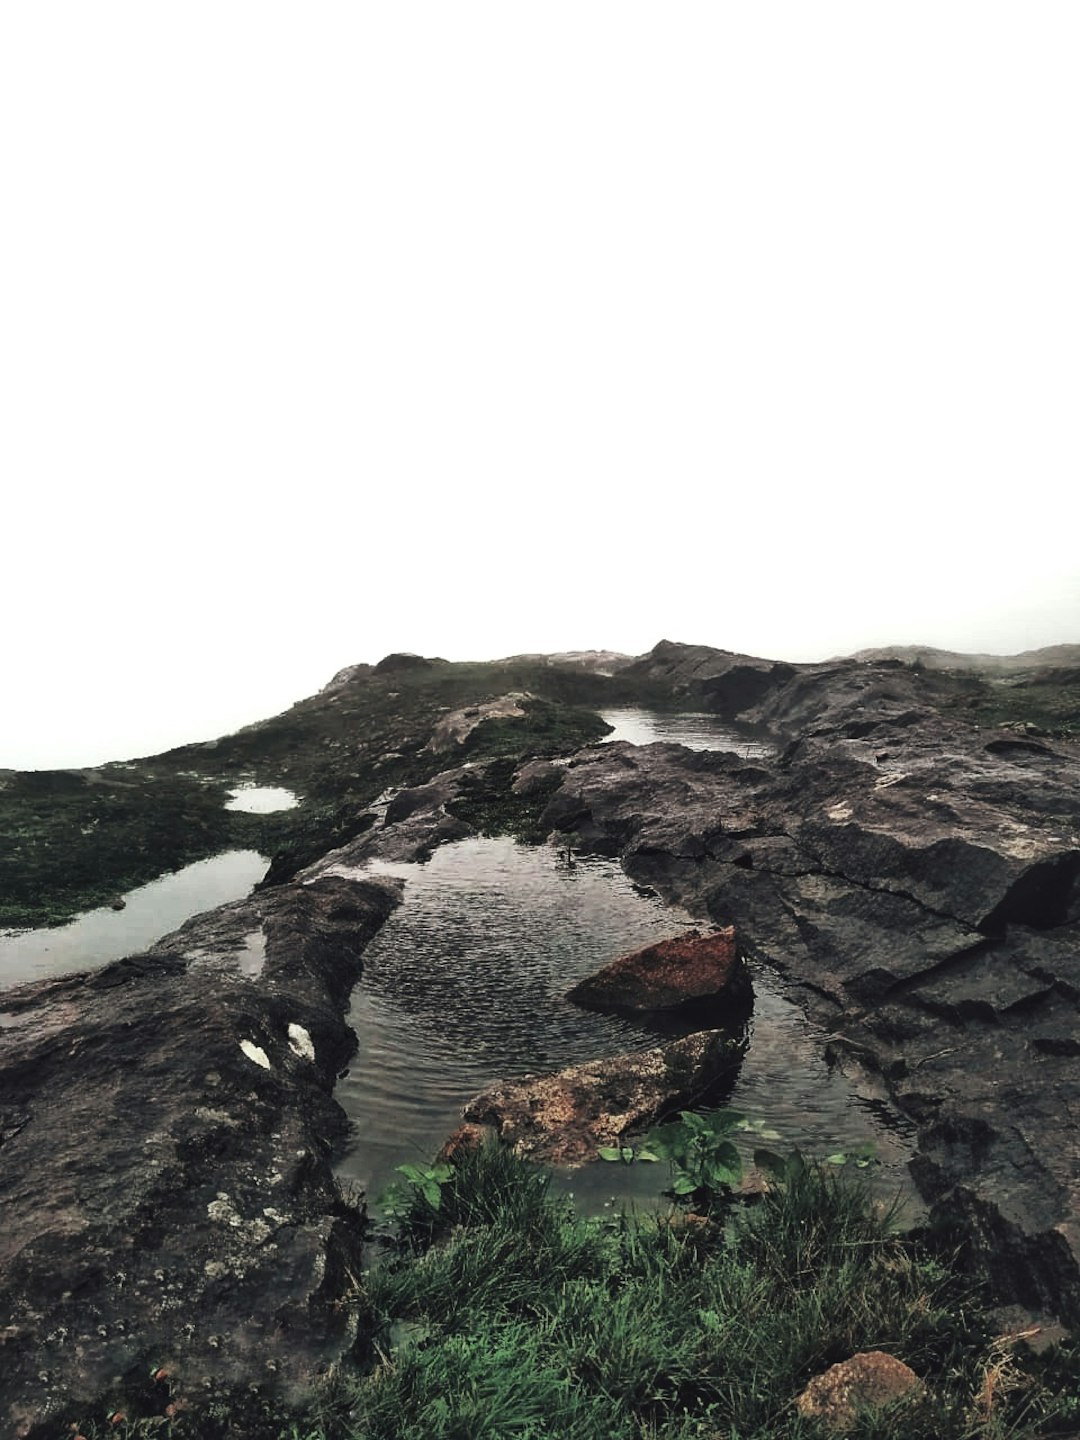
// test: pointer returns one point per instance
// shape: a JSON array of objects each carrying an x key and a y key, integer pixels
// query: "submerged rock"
[
  {"x": 564, "y": 1117},
  {"x": 688, "y": 971},
  {"x": 165, "y": 1183}
]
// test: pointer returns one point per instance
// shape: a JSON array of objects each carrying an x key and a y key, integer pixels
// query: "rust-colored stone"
[
  {"x": 671, "y": 974},
  {"x": 563, "y": 1118},
  {"x": 465, "y": 1138},
  {"x": 867, "y": 1381}
]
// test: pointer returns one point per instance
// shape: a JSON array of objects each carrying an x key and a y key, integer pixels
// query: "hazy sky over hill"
[{"x": 478, "y": 328}]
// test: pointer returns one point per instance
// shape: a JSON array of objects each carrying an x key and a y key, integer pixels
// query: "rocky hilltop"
[{"x": 172, "y": 1226}]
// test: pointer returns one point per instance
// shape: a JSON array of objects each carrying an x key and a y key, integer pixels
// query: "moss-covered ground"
[
  {"x": 1047, "y": 701},
  {"x": 73, "y": 839}
]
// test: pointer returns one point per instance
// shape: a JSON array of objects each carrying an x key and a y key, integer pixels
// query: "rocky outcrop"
[
  {"x": 594, "y": 662},
  {"x": 918, "y": 882},
  {"x": 867, "y": 1382},
  {"x": 165, "y": 1136},
  {"x": 453, "y": 729},
  {"x": 718, "y": 680},
  {"x": 402, "y": 662},
  {"x": 704, "y": 973},
  {"x": 564, "y": 1117}
]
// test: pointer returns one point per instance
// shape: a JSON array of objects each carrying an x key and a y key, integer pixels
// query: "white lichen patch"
[
  {"x": 216, "y": 1117},
  {"x": 300, "y": 1042},
  {"x": 223, "y": 1212},
  {"x": 247, "y": 1235},
  {"x": 884, "y": 781},
  {"x": 1020, "y": 842},
  {"x": 255, "y": 1053}
]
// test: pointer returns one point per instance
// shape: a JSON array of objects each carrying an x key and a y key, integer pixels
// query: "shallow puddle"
[
  {"x": 261, "y": 799},
  {"x": 697, "y": 730},
  {"x": 151, "y": 911}
]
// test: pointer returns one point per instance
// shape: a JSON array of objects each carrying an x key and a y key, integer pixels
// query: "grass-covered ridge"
[
  {"x": 74, "y": 839},
  {"x": 503, "y": 1315}
]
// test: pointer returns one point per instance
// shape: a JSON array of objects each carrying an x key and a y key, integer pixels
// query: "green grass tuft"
[{"x": 503, "y": 1315}]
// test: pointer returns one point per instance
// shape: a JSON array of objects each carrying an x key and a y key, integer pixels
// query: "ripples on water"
[
  {"x": 465, "y": 985},
  {"x": 151, "y": 911}
]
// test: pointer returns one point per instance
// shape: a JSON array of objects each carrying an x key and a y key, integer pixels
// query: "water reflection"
[
  {"x": 697, "y": 730},
  {"x": 465, "y": 985},
  {"x": 150, "y": 912},
  {"x": 261, "y": 799}
]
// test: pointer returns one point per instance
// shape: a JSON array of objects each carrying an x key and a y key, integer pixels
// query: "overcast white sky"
[{"x": 331, "y": 329}]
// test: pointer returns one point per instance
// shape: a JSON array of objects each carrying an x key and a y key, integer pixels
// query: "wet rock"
[
  {"x": 562, "y": 1118},
  {"x": 415, "y": 822},
  {"x": 165, "y": 1181},
  {"x": 703, "y": 972},
  {"x": 867, "y": 1381},
  {"x": 718, "y": 680},
  {"x": 536, "y": 777},
  {"x": 918, "y": 883}
]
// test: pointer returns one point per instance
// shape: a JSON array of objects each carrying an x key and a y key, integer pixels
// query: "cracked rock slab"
[{"x": 165, "y": 1183}]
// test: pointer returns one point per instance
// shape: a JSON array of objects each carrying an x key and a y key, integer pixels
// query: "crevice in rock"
[{"x": 1045, "y": 896}]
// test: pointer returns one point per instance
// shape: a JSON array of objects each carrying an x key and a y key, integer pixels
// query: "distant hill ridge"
[{"x": 1050, "y": 656}]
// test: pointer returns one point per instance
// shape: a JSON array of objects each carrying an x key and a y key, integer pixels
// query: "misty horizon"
[{"x": 100, "y": 739}]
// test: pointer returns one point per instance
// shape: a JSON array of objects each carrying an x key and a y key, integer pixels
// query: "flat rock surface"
[
  {"x": 918, "y": 881},
  {"x": 165, "y": 1132}
]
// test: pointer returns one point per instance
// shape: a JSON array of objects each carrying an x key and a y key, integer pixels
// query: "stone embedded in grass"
[
  {"x": 867, "y": 1381},
  {"x": 688, "y": 969}
]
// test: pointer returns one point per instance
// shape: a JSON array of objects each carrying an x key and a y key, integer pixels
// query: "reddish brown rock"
[
  {"x": 564, "y": 1117},
  {"x": 865, "y": 1382},
  {"x": 688, "y": 969},
  {"x": 464, "y": 1139}
]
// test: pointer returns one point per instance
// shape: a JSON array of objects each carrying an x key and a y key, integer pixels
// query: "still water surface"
[
  {"x": 151, "y": 911},
  {"x": 697, "y": 730},
  {"x": 465, "y": 985},
  {"x": 261, "y": 799}
]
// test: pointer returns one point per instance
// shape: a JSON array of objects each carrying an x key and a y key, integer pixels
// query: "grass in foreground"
[{"x": 502, "y": 1315}]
